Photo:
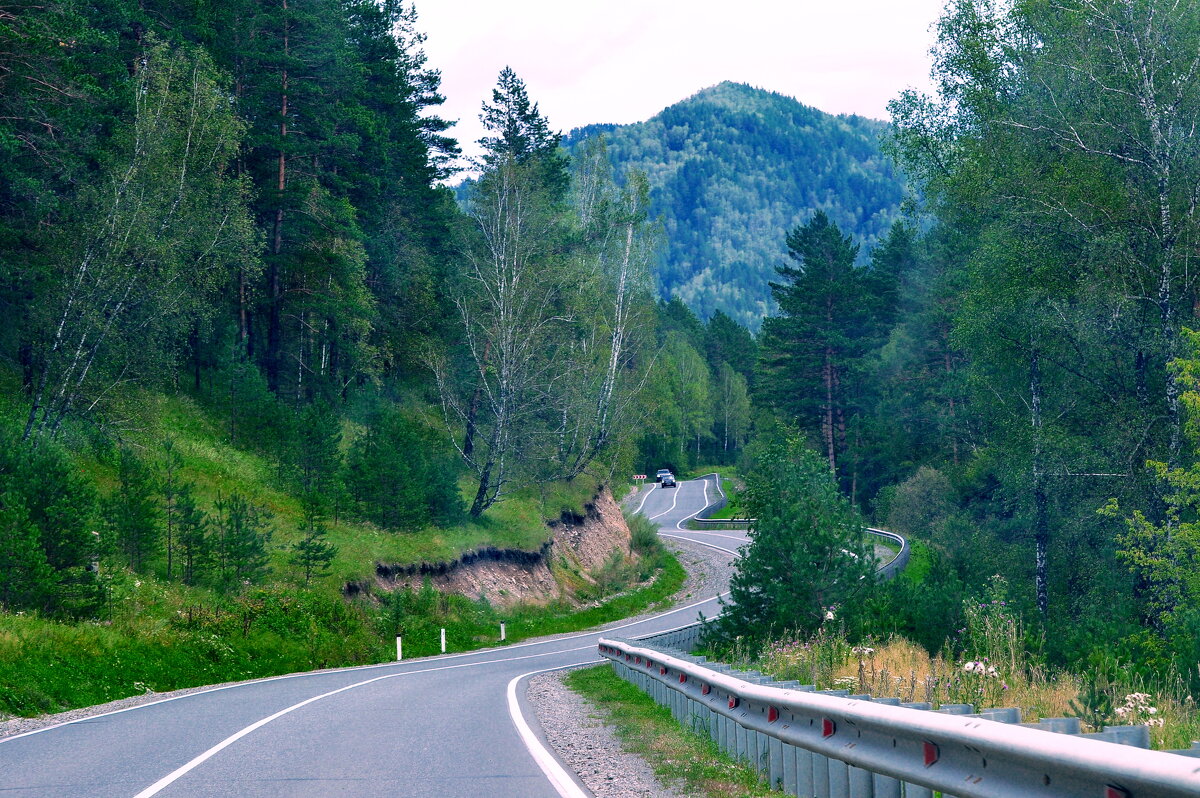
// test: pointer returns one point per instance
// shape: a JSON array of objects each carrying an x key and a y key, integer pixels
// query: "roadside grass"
[
  {"x": 920, "y": 562},
  {"x": 163, "y": 638},
  {"x": 730, "y": 485},
  {"x": 901, "y": 668},
  {"x": 726, "y": 472},
  {"x": 161, "y": 635},
  {"x": 677, "y": 755}
]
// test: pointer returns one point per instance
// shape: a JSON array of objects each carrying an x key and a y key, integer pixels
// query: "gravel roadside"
[{"x": 570, "y": 723}]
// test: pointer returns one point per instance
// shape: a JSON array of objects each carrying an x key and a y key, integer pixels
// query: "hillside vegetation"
[
  {"x": 731, "y": 170},
  {"x": 252, "y": 347}
]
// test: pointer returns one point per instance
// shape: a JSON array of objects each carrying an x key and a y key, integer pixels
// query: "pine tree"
[
  {"x": 196, "y": 555},
  {"x": 133, "y": 513},
  {"x": 313, "y": 553},
  {"x": 831, "y": 315},
  {"x": 243, "y": 532},
  {"x": 26, "y": 578}
]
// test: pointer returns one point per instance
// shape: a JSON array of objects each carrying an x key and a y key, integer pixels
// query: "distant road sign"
[{"x": 639, "y": 476}]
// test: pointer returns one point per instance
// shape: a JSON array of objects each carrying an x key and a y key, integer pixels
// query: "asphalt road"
[{"x": 453, "y": 725}]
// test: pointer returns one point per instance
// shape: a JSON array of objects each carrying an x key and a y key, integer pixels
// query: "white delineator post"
[
  {"x": 399, "y": 648},
  {"x": 443, "y": 640},
  {"x": 502, "y": 631}
]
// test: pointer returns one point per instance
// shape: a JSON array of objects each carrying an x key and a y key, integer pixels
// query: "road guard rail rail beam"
[
  {"x": 839, "y": 746},
  {"x": 885, "y": 571}
]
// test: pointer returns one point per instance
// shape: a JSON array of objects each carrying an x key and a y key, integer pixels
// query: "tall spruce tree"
[{"x": 831, "y": 314}]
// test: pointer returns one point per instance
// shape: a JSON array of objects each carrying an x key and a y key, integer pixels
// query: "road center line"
[
  {"x": 311, "y": 674},
  {"x": 679, "y": 523},
  {"x": 674, "y": 498},
  {"x": 179, "y": 772}
]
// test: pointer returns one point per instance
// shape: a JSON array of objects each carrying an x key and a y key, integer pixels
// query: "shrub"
[{"x": 46, "y": 543}]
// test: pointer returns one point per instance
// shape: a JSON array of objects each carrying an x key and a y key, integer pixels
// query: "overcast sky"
[{"x": 587, "y": 61}]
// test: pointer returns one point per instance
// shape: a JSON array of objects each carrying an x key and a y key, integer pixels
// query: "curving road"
[{"x": 453, "y": 725}]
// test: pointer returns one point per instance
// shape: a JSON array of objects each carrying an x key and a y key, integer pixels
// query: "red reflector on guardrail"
[
  {"x": 683, "y": 678},
  {"x": 705, "y": 690},
  {"x": 931, "y": 753},
  {"x": 734, "y": 701},
  {"x": 1115, "y": 792},
  {"x": 662, "y": 671},
  {"x": 772, "y": 714},
  {"x": 828, "y": 727}
]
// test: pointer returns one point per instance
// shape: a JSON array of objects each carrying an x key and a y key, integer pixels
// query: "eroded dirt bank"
[{"x": 580, "y": 545}]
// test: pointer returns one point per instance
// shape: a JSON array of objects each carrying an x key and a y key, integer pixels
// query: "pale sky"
[{"x": 587, "y": 61}]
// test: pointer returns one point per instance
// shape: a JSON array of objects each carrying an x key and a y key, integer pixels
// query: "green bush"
[{"x": 47, "y": 512}]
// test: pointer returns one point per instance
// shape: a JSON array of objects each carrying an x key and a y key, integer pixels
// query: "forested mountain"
[{"x": 731, "y": 170}]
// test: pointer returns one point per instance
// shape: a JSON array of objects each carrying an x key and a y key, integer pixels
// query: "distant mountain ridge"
[{"x": 732, "y": 169}]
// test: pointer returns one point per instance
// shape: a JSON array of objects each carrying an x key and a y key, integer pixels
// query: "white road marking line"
[
  {"x": 701, "y": 543},
  {"x": 176, "y": 774},
  {"x": 674, "y": 498},
  {"x": 557, "y": 775},
  {"x": 547, "y": 764},
  {"x": 716, "y": 535},
  {"x": 678, "y": 524},
  {"x": 718, "y": 483},
  {"x": 643, "y": 502}
]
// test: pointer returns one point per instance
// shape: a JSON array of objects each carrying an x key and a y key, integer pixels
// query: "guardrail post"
[
  {"x": 820, "y": 776},
  {"x": 861, "y": 783},
  {"x": 885, "y": 786},
  {"x": 805, "y": 776},
  {"x": 839, "y": 779},
  {"x": 741, "y": 747},
  {"x": 916, "y": 790},
  {"x": 787, "y": 758},
  {"x": 775, "y": 762}
]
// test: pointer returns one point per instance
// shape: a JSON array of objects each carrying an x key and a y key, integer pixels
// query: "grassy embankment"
[{"x": 161, "y": 635}]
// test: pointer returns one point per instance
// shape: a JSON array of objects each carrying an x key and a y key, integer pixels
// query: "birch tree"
[
  {"x": 554, "y": 306},
  {"x": 160, "y": 230},
  {"x": 511, "y": 309},
  {"x": 613, "y": 313}
]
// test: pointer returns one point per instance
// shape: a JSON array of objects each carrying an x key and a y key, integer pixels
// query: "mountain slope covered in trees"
[{"x": 731, "y": 170}]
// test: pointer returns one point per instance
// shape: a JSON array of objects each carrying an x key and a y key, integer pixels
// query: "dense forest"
[
  {"x": 249, "y": 331},
  {"x": 731, "y": 170},
  {"x": 1011, "y": 375}
]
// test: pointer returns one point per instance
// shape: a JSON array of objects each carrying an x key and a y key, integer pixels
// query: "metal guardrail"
[
  {"x": 899, "y": 562},
  {"x": 885, "y": 571},
  {"x": 832, "y": 745}
]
